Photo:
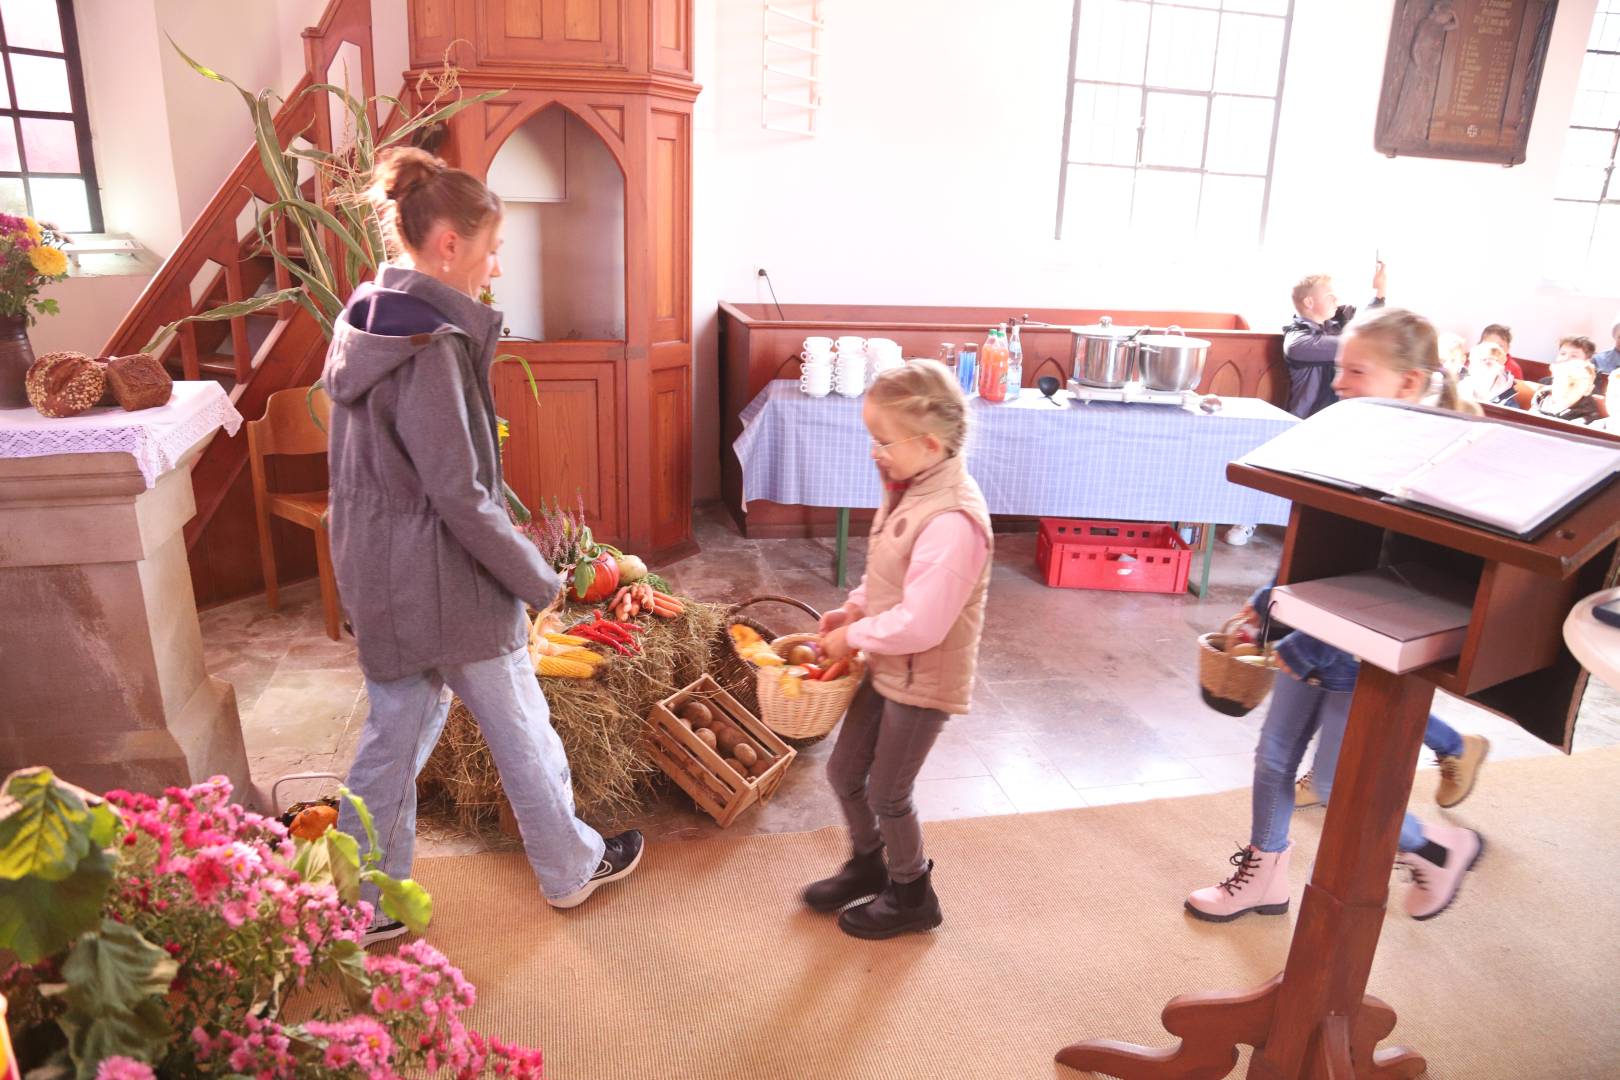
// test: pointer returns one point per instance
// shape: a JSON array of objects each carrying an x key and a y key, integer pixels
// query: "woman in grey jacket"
[{"x": 430, "y": 569}]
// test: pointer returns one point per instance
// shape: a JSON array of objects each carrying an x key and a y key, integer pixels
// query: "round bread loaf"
[{"x": 65, "y": 383}]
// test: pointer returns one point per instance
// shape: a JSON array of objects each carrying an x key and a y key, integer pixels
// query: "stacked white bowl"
[
  {"x": 816, "y": 366},
  {"x": 881, "y": 355},
  {"x": 849, "y": 366}
]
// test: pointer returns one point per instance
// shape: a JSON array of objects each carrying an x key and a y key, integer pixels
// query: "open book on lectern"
[{"x": 1510, "y": 478}]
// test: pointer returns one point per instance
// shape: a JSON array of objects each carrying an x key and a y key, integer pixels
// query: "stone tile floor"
[{"x": 1084, "y": 698}]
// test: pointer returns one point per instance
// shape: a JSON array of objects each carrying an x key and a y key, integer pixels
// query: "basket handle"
[
  {"x": 771, "y": 599},
  {"x": 1230, "y": 625}
]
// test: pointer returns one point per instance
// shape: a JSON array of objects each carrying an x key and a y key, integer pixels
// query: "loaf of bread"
[
  {"x": 139, "y": 381},
  {"x": 64, "y": 383}
]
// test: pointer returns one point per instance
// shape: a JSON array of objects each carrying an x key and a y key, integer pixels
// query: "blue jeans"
[
  {"x": 1442, "y": 738},
  {"x": 1298, "y": 711},
  {"x": 504, "y": 696}
]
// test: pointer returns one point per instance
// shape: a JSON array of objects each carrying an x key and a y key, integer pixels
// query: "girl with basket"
[
  {"x": 917, "y": 614},
  {"x": 1393, "y": 354}
]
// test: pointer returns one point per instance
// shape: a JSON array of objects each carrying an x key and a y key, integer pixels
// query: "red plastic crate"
[{"x": 1127, "y": 556}]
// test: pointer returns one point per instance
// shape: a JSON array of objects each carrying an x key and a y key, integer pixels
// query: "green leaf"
[
  {"x": 403, "y": 900},
  {"x": 116, "y": 982},
  {"x": 40, "y": 918},
  {"x": 508, "y": 358},
  {"x": 332, "y": 859},
  {"x": 514, "y": 505},
  {"x": 350, "y": 961},
  {"x": 405, "y": 130},
  {"x": 373, "y": 856},
  {"x": 309, "y": 402},
  {"x": 227, "y": 311},
  {"x": 584, "y": 576},
  {"x": 49, "y": 307},
  {"x": 47, "y": 826}
]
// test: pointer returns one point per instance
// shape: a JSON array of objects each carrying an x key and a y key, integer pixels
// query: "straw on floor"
[{"x": 1058, "y": 926}]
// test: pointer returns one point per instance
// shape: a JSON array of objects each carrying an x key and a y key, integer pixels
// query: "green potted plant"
[{"x": 31, "y": 257}]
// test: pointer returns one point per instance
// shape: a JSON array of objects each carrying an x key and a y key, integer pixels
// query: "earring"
[{"x": 444, "y": 268}]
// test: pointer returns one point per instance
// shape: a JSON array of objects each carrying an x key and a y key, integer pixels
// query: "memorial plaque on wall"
[{"x": 1461, "y": 77}]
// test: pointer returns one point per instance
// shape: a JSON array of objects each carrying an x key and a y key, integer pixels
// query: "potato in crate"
[
  {"x": 1126, "y": 556},
  {"x": 720, "y": 754}
]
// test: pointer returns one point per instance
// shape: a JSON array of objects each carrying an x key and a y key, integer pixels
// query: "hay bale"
[{"x": 601, "y": 721}]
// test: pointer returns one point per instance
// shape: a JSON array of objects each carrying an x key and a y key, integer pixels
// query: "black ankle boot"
[
  {"x": 901, "y": 908},
  {"x": 861, "y": 876}
]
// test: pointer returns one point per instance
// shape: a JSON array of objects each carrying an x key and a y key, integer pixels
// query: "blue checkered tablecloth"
[{"x": 1094, "y": 460}]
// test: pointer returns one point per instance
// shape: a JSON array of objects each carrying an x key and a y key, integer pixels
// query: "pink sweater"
[{"x": 946, "y": 561}]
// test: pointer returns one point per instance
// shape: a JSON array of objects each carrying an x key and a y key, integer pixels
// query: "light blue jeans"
[
  {"x": 1298, "y": 711},
  {"x": 504, "y": 696}
]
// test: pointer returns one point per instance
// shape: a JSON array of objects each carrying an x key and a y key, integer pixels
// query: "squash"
[{"x": 631, "y": 569}]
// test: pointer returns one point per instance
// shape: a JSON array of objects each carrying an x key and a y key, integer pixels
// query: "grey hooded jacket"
[{"x": 429, "y": 566}]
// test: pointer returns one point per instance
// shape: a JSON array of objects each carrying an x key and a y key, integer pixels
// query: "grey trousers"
[{"x": 873, "y": 768}]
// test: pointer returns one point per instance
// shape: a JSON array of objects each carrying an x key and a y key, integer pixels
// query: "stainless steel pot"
[
  {"x": 1103, "y": 354},
  {"x": 1171, "y": 360}
]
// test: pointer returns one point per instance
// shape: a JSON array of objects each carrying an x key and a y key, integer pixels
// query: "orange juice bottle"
[{"x": 993, "y": 367}]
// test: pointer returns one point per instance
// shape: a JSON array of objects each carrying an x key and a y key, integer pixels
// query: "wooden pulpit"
[{"x": 1315, "y": 1019}]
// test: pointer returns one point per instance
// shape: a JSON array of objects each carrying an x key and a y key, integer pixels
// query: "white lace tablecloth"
[{"x": 155, "y": 438}]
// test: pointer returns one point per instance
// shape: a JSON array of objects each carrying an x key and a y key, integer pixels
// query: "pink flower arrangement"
[
  {"x": 214, "y": 887},
  {"x": 31, "y": 257}
]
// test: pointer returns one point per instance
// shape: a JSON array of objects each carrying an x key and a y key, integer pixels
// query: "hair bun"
[{"x": 402, "y": 170}]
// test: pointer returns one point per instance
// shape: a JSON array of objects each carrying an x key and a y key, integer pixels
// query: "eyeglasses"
[{"x": 884, "y": 448}]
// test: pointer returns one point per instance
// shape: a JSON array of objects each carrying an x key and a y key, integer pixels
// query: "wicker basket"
[
  {"x": 819, "y": 705},
  {"x": 1229, "y": 685}
]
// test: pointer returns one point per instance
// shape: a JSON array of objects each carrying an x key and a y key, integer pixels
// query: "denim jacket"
[{"x": 1313, "y": 661}]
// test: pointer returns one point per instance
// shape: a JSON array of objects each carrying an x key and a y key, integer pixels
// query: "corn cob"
[
  {"x": 566, "y": 639},
  {"x": 563, "y": 668}
]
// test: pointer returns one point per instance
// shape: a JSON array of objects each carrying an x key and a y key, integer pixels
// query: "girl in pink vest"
[{"x": 917, "y": 614}]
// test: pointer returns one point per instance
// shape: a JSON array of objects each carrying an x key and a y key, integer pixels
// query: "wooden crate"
[{"x": 702, "y": 772}]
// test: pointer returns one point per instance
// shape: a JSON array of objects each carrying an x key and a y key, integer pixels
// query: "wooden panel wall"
[
  {"x": 672, "y": 37},
  {"x": 672, "y": 455},
  {"x": 551, "y": 32}
]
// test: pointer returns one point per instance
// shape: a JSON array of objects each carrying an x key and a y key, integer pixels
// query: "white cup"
[
  {"x": 817, "y": 381},
  {"x": 851, "y": 344},
  {"x": 818, "y": 344},
  {"x": 882, "y": 347},
  {"x": 849, "y": 388},
  {"x": 812, "y": 357}
]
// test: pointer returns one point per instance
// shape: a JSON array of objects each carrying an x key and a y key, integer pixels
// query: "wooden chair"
[{"x": 288, "y": 428}]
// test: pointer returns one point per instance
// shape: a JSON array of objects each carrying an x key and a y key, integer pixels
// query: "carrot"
[{"x": 835, "y": 670}]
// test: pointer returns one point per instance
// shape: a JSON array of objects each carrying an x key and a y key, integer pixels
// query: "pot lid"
[
  {"x": 1171, "y": 341},
  {"x": 1104, "y": 328}
]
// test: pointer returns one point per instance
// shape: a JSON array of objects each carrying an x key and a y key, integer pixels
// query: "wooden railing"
[{"x": 225, "y": 233}]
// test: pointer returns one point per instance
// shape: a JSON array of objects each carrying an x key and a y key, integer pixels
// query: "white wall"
[{"x": 933, "y": 180}]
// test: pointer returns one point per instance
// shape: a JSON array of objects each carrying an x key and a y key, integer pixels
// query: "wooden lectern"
[{"x": 1316, "y": 1019}]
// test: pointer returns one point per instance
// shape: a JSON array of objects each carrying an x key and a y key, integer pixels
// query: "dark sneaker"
[
  {"x": 620, "y": 854},
  {"x": 901, "y": 908},
  {"x": 382, "y": 931}
]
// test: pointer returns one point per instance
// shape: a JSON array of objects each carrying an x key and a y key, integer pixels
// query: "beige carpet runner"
[{"x": 1058, "y": 926}]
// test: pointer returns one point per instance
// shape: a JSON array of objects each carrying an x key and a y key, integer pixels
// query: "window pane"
[
  {"x": 1597, "y": 101},
  {"x": 1182, "y": 52},
  {"x": 1166, "y": 204},
  {"x": 1105, "y": 123},
  {"x": 42, "y": 83},
  {"x": 1569, "y": 235},
  {"x": 9, "y": 160},
  {"x": 1112, "y": 45},
  {"x": 1174, "y": 131},
  {"x": 1605, "y": 31},
  {"x": 1239, "y": 134},
  {"x": 1096, "y": 203},
  {"x": 1586, "y": 160},
  {"x": 1262, "y": 7},
  {"x": 1250, "y": 54},
  {"x": 50, "y": 145},
  {"x": 12, "y": 198},
  {"x": 62, "y": 203},
  {"x": 5, "y": 90},
  {"x": 32, "y": 24},
  {"x": 1230, "y": 211}
]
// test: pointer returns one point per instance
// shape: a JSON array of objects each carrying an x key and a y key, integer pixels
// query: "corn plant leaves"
[
  {"x": 225, "y": 311},
  {"x": 116, "y": 982},
  {"x": 404, "y": 131}
]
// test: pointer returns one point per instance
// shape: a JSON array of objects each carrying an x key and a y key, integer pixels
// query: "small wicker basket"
[
  {"x": 1229, "y": 684},
  {"x": 818, "y": 706}
]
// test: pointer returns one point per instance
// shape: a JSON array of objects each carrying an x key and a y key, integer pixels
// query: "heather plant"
[{"x": 162, "y": 936}]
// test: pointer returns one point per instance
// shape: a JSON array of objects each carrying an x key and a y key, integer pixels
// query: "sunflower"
[{"x": 49, "y": 261}]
